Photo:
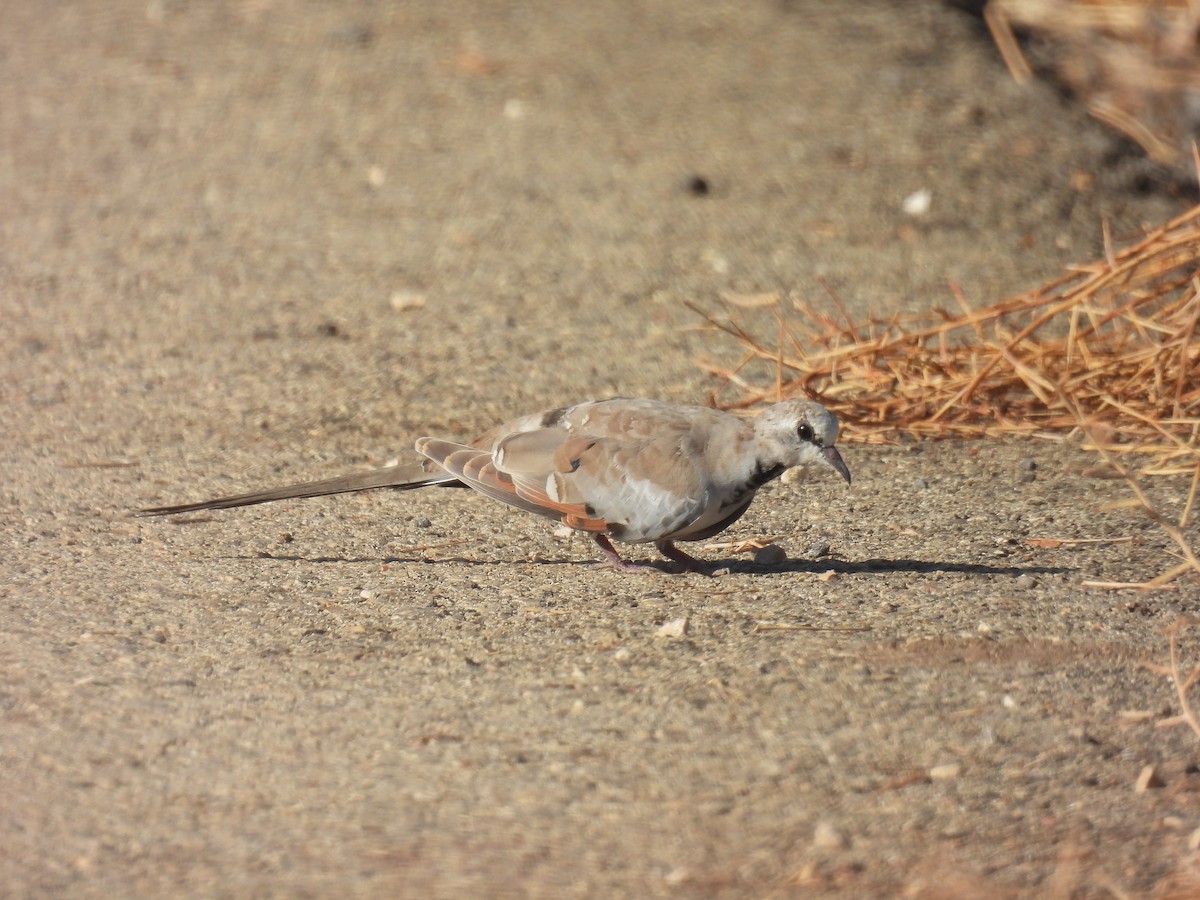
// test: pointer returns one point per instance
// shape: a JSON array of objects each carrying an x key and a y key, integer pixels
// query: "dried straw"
[
  {"x": 1108, "y": 353},
  {"x": 1133, "y": 63},
  {"x": 1117, "y": 337}
]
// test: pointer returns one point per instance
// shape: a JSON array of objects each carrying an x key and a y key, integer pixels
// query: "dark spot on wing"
[
  {"x": 552, "y": 418},
  {"x": 590, "y": 510},
  {"x": 616, "y": 529}
]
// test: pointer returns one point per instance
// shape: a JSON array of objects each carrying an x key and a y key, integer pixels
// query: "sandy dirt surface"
[{"x": 255, "y": 242}]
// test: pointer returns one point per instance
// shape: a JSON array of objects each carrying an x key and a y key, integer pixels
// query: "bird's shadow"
[
  {"x": 737, "y": 567},
  {"x": 890, "y": 566}
]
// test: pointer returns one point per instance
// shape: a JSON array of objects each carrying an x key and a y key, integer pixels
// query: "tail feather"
[{"x": 405, "y": 476}]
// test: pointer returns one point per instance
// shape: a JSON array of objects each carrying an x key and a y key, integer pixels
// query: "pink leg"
[
  {"x": 613, "y": 558},
  {"x": 689, "y": 562}
]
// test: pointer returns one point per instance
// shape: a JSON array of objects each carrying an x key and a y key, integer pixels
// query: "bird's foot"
[
  {"x": 688, "y": 562},
  {"x": 685, "y": 561},
  {"x": 613, "y": 558}
]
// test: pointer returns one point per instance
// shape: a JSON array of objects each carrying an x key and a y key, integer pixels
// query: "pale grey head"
[{"x": 799, "y": 433}]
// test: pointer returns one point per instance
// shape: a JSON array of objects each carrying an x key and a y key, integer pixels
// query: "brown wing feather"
[{"x": 477, "y": 469}]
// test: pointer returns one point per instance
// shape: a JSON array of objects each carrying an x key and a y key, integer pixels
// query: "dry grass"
[
  {"x": 1183, "y": 682},
  {"x": 1108, "y": 354},
  {"x": 1133, "y": 63},
  {"x": 1114, "y": 339}
]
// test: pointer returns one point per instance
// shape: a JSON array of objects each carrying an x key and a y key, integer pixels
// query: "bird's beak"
[{"x": 835, "y": 459}]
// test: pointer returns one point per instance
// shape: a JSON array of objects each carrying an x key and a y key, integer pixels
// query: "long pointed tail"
[{"x": 406, "y": 477}]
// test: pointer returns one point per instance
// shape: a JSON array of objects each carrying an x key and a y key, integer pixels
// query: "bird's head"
[{"x": 800, "y": 433}]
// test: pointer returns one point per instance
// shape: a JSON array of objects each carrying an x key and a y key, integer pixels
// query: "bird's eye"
[{"x": 805, "y": 432}]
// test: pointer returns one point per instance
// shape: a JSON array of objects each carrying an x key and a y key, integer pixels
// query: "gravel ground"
[{"x": 255, "y": 242}]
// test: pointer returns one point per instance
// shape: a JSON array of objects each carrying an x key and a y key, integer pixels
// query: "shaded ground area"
[{"x": 260, "y": 242}]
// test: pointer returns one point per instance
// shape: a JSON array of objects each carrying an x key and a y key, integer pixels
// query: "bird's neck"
[{"x": 764, "y": 471}]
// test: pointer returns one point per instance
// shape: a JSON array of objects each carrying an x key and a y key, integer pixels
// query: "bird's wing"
[
  {"x": 632, "y": 468},
  {"x": 529, "y": 484}
]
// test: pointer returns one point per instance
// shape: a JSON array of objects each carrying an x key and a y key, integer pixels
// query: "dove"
[{"x": 624, "y": 469}]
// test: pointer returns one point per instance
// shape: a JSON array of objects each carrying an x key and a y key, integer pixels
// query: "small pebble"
[
  {"x": 945, "y": 772},
  {"x": 673, "y": 628},
  {"x": 920, "y": 484},
  {"x": 794, "y": 475},
  {"x": 677, "y": 876},
  {"x": 770, "y": 555},
  {"x": 404, "y": 301},
  {"x": 698, "y": 186},
  {"x": 422, "y": 522},
  {"x": 826, "y": 837},
  {"x": 817, "y": 550},
  {"x": 717, "y": 261},
  {"x": 918, "y": 202},
  {"x": 1025, "y": 582}
]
